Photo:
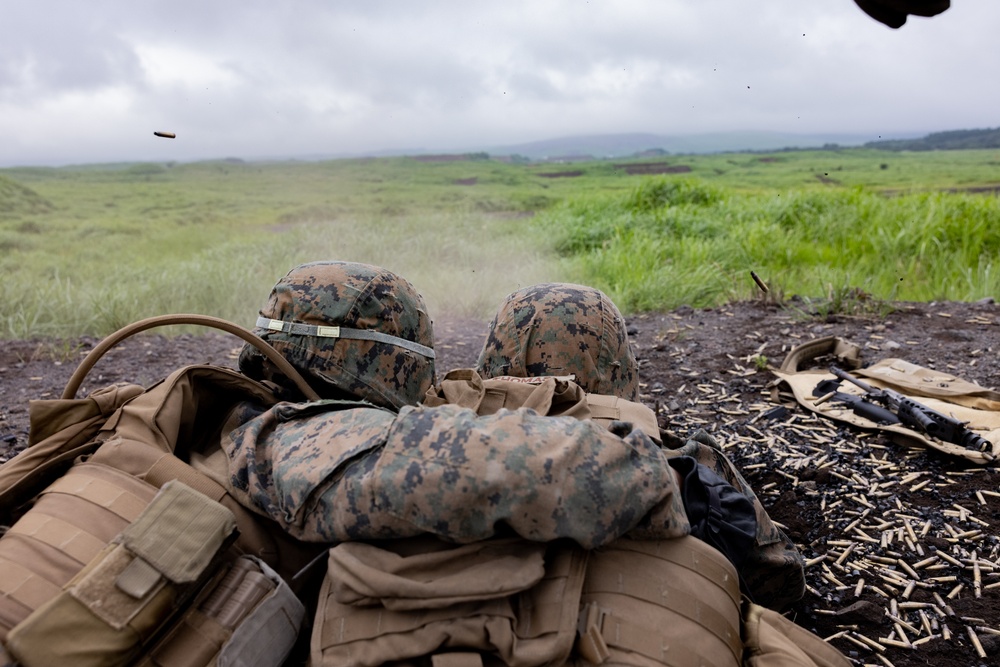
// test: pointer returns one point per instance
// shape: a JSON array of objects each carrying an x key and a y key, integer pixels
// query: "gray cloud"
[
  {"x": 83, "y": 82},
  {"x": 64, "y": 51}
]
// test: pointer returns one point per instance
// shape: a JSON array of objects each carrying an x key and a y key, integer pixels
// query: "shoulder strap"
[{"x": 606, "y": 409}]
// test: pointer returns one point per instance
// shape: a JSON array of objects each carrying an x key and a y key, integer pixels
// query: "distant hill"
[
  {"x": 943, "y": 141},
  {"x": 625, "y": 145},
  {"x": 603, "y": 146}
]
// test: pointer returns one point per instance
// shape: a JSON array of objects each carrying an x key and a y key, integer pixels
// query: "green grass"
[
  {"x": 670, "y": 243},
  {"x": 85, "y": 250}
]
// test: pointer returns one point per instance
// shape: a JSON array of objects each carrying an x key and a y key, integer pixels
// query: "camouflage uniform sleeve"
[
  {"x": 284, "y": 460},
  {"x": 774, "y": 571},
  {"x": 449, "y": 472},
  {"x": 363, "y": 474}
]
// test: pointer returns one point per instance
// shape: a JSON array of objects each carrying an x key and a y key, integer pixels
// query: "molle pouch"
[
  {"x": 67, "y": 526},
  {"x": 249, "y": 616},
  {"x": 125, "y": 594}
]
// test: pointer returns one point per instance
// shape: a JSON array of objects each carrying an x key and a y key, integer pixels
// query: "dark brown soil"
[
  {"x": 906, "y": 511},
  {"x": 848, "y": 487}
]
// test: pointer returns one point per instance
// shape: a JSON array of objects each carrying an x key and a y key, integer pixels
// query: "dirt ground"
[{"x": 902, "y": 545}]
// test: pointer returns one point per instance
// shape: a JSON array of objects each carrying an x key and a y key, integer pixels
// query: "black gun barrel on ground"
[{"x": 910, "y": 413}]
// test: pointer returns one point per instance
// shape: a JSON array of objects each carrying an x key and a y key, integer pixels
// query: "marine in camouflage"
[
  {"x": 329, "y": 471},
  {"x": 562, "y": 329},
  {"x": 344, "y": 468},
  {"x": 320, "y": 297},
  {"x": 552, "y": 329},
  {"x": 335, "y": 470}
]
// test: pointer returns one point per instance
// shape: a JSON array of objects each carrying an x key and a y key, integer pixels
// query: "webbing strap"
[
  {"x": 100, "y": 492},
  {"x": 299, "y": 329},
  {"x": 603, "y": 407},
  {"x": 590, "y": 642},
  {"x": 613, "y": 408},
  {"x": 540, "y": 620},
  {"x": 24, "y": 586},
  {"x": 700, "y": 558},
  {"x": 361, "y": 623},
  {"x": 458, "y": 659},
  {"x": 493, "y": 400},
  {"x": 63, "y": 536}
]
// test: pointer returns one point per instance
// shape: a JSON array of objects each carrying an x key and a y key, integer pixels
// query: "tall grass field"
[{"x": 88, "y": 249}]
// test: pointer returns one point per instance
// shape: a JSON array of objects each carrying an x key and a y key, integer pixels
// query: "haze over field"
[{"x": 91, "y": 82}]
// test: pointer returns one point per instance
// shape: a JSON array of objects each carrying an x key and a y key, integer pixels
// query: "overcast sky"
[{"x": 85, "y": 82}]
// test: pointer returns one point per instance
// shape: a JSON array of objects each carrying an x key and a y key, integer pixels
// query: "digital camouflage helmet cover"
[
  {"x": 353, "y": 331},
  {"x": 562, "y": 329}
]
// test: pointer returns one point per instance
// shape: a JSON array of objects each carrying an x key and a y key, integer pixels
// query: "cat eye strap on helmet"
[{"x": 298, "y": 329}]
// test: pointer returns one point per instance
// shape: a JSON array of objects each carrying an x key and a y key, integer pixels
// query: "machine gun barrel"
[
  {"x": 920, "y": 417},
  {"x": 844, "y": 375}
]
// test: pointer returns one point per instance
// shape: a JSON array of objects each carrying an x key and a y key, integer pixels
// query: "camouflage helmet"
[
  {"x": 562, "y": 329},
  {"x": 353, "y": 331}
]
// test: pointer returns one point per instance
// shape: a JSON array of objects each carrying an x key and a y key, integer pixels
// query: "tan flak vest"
[
  {"x": 509, "y": 601},
  {"x": 512, "y": 602},
  {"x": 92, "y": 469}
]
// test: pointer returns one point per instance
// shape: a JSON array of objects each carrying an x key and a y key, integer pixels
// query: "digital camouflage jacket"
[{"x": 331, "y": 471}]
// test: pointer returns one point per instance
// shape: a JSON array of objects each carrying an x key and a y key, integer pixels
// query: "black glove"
[
  {"x": 893, "y": 13},
  {"x": 719, "y": 514}
]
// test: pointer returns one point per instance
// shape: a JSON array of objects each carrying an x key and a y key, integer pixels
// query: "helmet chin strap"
[{"x": 300, "y": 329}]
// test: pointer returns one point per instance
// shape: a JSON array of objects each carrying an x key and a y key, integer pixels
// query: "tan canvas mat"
[{"x": 943, "y": 392}]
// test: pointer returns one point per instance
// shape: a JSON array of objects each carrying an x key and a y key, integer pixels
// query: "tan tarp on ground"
[{"x": 944, "y": 392}]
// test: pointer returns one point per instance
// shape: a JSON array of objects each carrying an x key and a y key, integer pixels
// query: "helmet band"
[{"x": 299, "y": 329}]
